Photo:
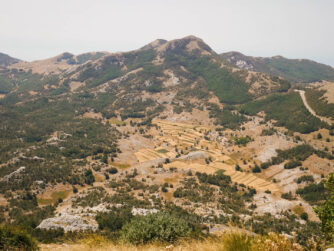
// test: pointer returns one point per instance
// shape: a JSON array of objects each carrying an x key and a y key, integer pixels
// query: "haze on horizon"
[{"x": 38, "y": 29}]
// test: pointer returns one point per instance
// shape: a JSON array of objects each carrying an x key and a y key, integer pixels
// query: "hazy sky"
[{"x": 38, "y": 29}]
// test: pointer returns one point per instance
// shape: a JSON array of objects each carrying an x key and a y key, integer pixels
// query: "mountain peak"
[
  {"x": 190, "y": 43},
  {"x": 192, "y": 37},
  {"x": 155, "y": 44}
]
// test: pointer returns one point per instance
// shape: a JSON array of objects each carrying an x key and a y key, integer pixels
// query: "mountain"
[
  {"x": 168, "y": 131},
  {"x": 6, "y": 60},
  {"x": 57, "y": 64},
  {"x": 294, "y": 70}
]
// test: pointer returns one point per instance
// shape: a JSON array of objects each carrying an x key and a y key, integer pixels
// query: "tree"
[
  {"x": 326, "y": 211},
  {"x": 112, "y": 170},
  {"x": 89, "y": 177},
  {"x": 105, "y": 158},
  {"x": 256, "y": 169}
]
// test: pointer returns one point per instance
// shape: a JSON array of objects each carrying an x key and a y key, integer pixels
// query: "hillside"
[
  {"x": 169, "y": 133},
  {"x": 6, "y": 60},
  {"x": 294, "y": 70}
]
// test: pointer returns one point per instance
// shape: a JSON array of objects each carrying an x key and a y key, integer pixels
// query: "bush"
[
  {"x": 274, "y": 241},
  {"x": 237, "y": 240},
  {"x": 313, "y": 192},
  {"x": 292, "y": 164},
  {"x": 256, "y": 169},
  {"x": 242, "y": 140},
  {"x": 89, "y": 177},
  {"x": 14, "y": 238},
  {"x": 288, "y": 196},
  {"x": 325, "y": 211},
  {"x": 304, "y": 216},
  {"x": 114, "y": 220},
  {"x": 49, "y": 236},
  {"x": 161, "y": 226},
  {"x": 112, "y": 170},
  {"x": 305, "y": 178},
  {"x": 265, "y": 165}
]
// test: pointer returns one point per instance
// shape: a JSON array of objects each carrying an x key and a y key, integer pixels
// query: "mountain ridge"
[
  {"x": 312, "y": 71},
  {"x": 295, "y": 70}
]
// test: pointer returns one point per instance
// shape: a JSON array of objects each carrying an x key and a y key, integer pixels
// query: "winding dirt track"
[{"x": 308, "y": 107}]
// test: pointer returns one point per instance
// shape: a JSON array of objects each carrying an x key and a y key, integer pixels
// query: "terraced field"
[
  {"x": 247, "y": 178},
  {"x": 192, "y": 137},
  {"x": 147, "y": 154}
]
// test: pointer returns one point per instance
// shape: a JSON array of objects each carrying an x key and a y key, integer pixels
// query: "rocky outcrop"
[
  {"x": 18, "y": 171},
  {"x": 69, "y": 222},
  {"x": 194, "y": 155}
]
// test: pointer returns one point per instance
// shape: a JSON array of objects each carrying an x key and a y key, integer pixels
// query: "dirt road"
[{"x": 302, "y": 95}]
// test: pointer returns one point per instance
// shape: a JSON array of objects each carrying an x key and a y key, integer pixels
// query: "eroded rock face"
[
  {"x": 69, "y": 223},
  {"x": 244, "y": 65}
]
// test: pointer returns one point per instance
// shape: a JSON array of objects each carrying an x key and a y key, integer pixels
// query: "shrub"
[
  {"x": 242, "y": 140},
  {"x": 14, "y": 238},
  {"x": 75, "y": 190},
  {"x": 292, "y": 164},
  {"x": 114, "y": 220},
  {"x": 49, "y": 236},
  {"x": 305, "y": 178},
  {"x": 268, "y": 132},
  {"x": 237, "y": 240},
  {"x": 155, "y": 227},
  {"x": 313, "y": 192},
  {"x": 89, "y": 177},
  {"x": 288, "y": 196},
  {"x": 217, "y": 179},
  {"x": 325, "y": 212},
  {"x": 274, "y": 241},
  {"x": 265, "y": 165},
  {"x": 304, "y": 216},
  {"x": 112, "y": 170},
  {"x": 256, "y": 169}
]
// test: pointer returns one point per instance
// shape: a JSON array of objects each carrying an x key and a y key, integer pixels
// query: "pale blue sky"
[{"x": 38, "y": 29}]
